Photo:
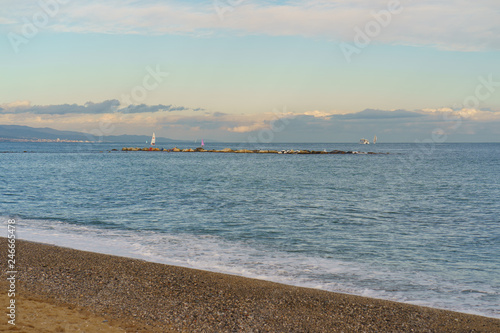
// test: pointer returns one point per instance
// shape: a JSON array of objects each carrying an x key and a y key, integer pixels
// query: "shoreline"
[{"x": 156, "y": 297}]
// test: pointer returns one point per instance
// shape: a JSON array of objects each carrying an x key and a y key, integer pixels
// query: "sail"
[
  {"x": 375, "y": 139},
  {"x": 202, "y": 143},
  {"x": 153, "y": 140}
]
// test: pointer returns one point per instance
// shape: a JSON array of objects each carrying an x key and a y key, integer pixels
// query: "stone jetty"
[{"x": 247, "y": 151}]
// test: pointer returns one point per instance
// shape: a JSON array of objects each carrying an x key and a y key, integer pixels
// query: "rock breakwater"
[{"x": 248, "y": 151}]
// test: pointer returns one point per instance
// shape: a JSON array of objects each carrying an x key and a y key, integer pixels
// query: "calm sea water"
[{"x": 419, "y": 225}]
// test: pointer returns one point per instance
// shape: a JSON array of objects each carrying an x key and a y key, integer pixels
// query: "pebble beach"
[{"x": 132, "y": 295}]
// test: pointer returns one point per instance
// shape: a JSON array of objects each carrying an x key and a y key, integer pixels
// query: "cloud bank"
[
  {"x": 462, "y": 25},
  {"x": 466, "y": 125},
  {"x": 108, "y": 106}
]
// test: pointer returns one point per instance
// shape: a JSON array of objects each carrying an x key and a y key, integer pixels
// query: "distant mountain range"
[{"x": 16, "y": 132}]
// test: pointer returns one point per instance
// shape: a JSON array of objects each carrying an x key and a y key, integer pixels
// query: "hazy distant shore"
[{"x": 139, "y": 294}]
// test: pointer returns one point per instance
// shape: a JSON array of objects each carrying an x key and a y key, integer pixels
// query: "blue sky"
[{"x": 228, "y": 70}]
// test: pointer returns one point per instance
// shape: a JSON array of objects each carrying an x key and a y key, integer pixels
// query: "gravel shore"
[{"x": 147, "y": 297}]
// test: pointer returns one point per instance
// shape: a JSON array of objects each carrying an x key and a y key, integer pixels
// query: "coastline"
[{"x": 142, "y": 296}]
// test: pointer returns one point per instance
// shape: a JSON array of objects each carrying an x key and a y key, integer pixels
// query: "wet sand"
[
  {"x": 37, "y": 315},
  {"x": 72, "y": 289}
]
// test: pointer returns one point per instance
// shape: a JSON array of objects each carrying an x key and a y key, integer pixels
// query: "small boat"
[
  {"x": 375, "y": 139},
  {"x": 153, "y": 139},
  {"x": 202, "y": 143},
  {"x": 364, "y": 142}
]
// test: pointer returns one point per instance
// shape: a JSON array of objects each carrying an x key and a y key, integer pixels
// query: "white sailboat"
[
  {"x": 153, "y": 139},
  {"x": 375, "y": 139}
]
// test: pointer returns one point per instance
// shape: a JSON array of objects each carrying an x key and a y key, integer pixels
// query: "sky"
[{"x": 243, "y": 70}]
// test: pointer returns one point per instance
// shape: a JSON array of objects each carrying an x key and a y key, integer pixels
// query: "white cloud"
[
  {"x": 453, "y": 25},
  {"x": 248, "y": 128},
  {"x": 6, "y": 20},
  {"x": 16, "y": 104},
  {"x": 319, "y": 114},
  {"x": 465, "y": 113}
]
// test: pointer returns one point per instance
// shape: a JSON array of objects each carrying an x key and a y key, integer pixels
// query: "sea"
[{"x": 418, "y": 223}]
